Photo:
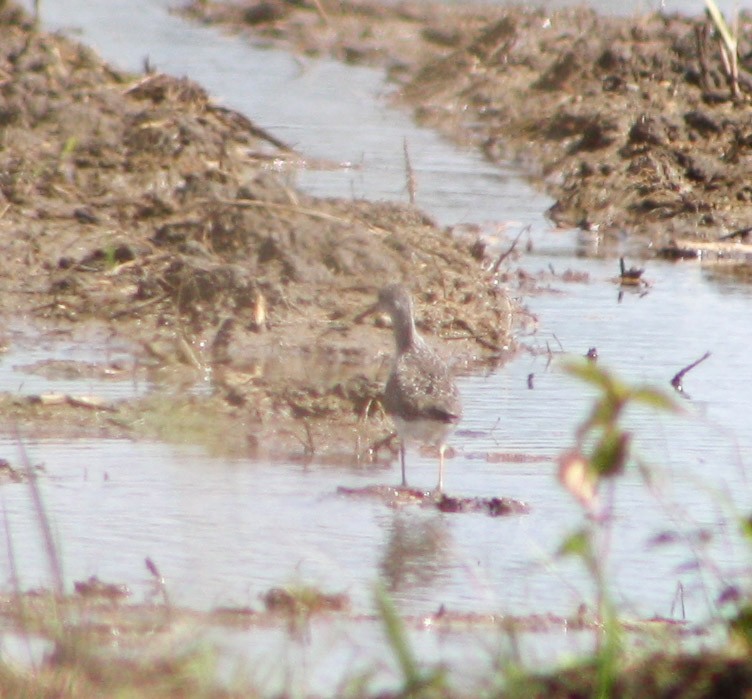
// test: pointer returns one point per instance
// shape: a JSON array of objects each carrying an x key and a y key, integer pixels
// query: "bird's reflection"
[{"x": 416, "y": 552}]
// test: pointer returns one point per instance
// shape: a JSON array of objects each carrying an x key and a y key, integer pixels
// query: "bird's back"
[{"x": 420, "y": 387}]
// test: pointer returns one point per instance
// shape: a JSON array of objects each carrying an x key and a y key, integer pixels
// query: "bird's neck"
[{"x": 405, "y": 333}]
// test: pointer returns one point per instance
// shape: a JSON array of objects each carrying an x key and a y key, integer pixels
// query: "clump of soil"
[
  {"x": 632, "y": 124},
  {"x": 137, "y": 203}
]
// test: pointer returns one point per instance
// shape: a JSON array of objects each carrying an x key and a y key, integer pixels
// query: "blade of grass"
[
  {"x": 720, "y": 24},
  {"x": 53, "y": 558},
  {"x": 395, "y": 633}
]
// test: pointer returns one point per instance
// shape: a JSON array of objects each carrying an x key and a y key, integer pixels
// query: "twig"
[
  {"x": 676, "y": 382},
  {"x": 412, "y": 186},
  {"x": 701, "y": 33},
  {"x": 159, "y": 581},
  {"x": 740, "y": 233},
  {"x": 506, "y": 254},
  {"x": 376, "y": 446},
  {"x": 310, "y": 446},
  {"x": 716, "y": 16},
  {"x": 136, "y": 307},
  {"x": 53, "y": 557},
  {"x": 679, "y": 599},
  {"x": 322, "y": 12},
  {"x": 313, "y": 213},
  {"x": 472, "y": 334}
]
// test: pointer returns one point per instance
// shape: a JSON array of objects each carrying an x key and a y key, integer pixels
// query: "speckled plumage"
[{"x": 420, "y": 394}]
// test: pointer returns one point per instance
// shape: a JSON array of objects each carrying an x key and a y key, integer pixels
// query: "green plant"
[
  {"x": 416, "y": 682},
  {"x": 603, "y": 449}
]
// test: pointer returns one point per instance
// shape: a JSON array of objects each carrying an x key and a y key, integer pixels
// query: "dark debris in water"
[
  {"x": 94, "y": 587},
  {"x": 509, "y": 457},
  {"x": 494, "y": 507},
  {"x": 303, "y": 600},
  {"x": 233, "y": 616},
  {"x": 397, "y": 496},
  {"x": 631, "y": 276},
  {"x": 9, "y": 473},
  {"x": 15, "y": 474},
  {"x": 676, "y": 381},
  {"x": 106, "y": 617}
]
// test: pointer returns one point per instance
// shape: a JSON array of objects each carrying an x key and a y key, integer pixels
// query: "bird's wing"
[{"x": 421, "y": 387}]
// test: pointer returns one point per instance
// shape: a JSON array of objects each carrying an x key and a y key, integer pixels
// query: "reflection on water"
[
  {"x": 416, "y": 551},
  {"x": 36, "y": 362}
]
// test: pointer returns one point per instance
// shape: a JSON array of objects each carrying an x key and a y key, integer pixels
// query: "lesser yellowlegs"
[{"x": 420, "y": 394}]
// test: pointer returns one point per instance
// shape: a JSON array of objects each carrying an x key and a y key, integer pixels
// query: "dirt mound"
[
  {"x": 633, "y": 124},
  {"x": 137, "y": 203}
]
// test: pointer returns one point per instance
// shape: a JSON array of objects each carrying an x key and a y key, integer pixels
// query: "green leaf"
[
  {"x": 741, "y": 626},
  {"x": 747, "y": 527},
  {"x": 69, "y": 146},
  {"x": 397, "y": 639},
  {"x": 589, "y": 372},
  {"x": 654, "y": 398},
  {"x": 577, "y": 544},
  {"x": 611, "y": 453}
]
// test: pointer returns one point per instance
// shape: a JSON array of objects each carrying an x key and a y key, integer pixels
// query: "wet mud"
[
  {"x": 135, "y": 207},
  {"x": 398, "y": 497},
  {"x": 636, "y": 125},
  {"x": 135, "y": 204}
]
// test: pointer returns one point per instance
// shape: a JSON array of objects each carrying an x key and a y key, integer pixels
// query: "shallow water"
[
  {"x": 35, "y": 363},
  {"x": 222, "y": 531}
]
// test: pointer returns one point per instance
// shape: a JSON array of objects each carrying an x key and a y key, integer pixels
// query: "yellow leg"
[
  {"x": 441, "y": 467},
  {"x": 402, "y": 462}
]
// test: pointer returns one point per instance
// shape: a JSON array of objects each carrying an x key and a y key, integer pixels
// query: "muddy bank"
[
  {"x": 135, "y": 206},
  {"x": 633, "y": 124}
]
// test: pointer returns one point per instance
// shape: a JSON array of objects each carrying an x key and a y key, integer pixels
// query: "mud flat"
[
  {"x": 135, "y": 206},
  {"x": 635, "y": 125}
]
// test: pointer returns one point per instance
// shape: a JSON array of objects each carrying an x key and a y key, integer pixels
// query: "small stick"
[
  {"x": 376, "y": 446},
  {"x": 506, "y": 254},
  {"x": 43, "y": 519},
  {"x": 679, "y": 598},
  {"x": 412, "y": 186},
  {"x": 676, "y": 382},
  {"x": 740, "y": 233},
  {"x": 701, "y": 32},
  {"x": 159, "y": 581},
  {"x": 322, "y": 12}
]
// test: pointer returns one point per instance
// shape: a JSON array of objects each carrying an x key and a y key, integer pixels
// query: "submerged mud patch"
[{"x": 394, "y": 497}]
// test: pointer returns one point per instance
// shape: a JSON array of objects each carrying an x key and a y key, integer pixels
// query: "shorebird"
[{"x": 420, "y": 395}]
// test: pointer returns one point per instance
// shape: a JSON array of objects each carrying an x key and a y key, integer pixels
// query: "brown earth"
[
  {"x": 134, "y": 207},
  {"x": 633, "y": 124}
]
